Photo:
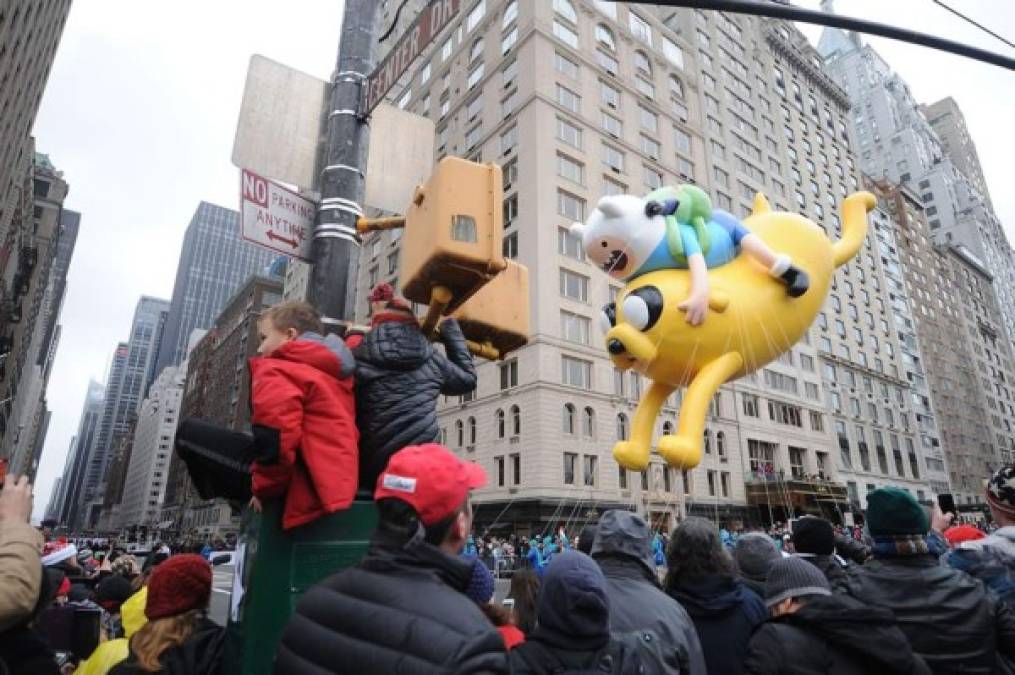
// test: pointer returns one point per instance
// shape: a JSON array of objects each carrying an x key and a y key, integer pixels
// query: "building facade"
[
  {"x": 28, "y": 309},
  {"x": 77, "y": 456},
  {"x": 128, "y": 381},
  {"x": 898, "y": 142},
  {"x": 579, "y": 99},
  {"x": 214, "y": 263},
  {"x": 31, "y": 32},
  {"x": 144, "y": 487},
  {"x": 217, "y": 390}
]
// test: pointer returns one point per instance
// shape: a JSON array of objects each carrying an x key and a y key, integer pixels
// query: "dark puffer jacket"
[
  {"x": 947, "y": 616},
  {"x": 200, "y": 654},
  {"x": 399, "y": 377},
  {"x": 834, "y": 635},
  {"x": 400, "y": 610},
  {"x": 829, "y": 566}
]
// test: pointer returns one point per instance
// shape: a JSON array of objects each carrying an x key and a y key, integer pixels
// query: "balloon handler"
[
  {"x": 303, "y": 416},
  {"x": 677, "y": 228},
  {"x": 399, "y": 378}
]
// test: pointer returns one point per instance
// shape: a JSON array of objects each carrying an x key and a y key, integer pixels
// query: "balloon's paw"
[
  {"x": 680, "y": 452},
  {"x": 631, "y": 455}
]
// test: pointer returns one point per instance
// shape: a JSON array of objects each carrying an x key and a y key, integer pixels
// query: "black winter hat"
[
  {"x": 112, "y": 592},
  {"x": 794, "y": 578},
  {"x": 813, "y": 535}
]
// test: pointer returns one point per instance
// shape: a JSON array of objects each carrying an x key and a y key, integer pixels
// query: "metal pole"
[{"x": 336, "y": 244}]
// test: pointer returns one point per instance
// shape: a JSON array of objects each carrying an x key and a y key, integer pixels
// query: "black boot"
[{"x": 796, "y": 280}]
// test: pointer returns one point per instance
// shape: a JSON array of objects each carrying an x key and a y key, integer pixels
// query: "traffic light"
[
  {"x": 498, "y": 315},
  {"x": 454, "y": 231}
]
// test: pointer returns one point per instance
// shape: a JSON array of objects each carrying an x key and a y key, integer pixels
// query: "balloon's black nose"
[{"x": 615, "y": 347}]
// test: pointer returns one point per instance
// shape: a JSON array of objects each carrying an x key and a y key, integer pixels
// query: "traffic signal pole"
[{"x": 342, "y": 165}]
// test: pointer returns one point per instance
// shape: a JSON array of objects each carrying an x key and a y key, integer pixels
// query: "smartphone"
[
  {"x": 947, "y": 503},
  {"x": 509, "y": 603}
]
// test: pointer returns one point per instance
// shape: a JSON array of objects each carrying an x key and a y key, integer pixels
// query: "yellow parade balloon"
[{"x": 751, "y": 320}]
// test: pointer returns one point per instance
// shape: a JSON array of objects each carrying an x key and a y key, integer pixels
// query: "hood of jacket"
[
  {"x": 1002, "y": 541},
  {"x": 573, "y": 611},
  {"x": 394, "y": 345},
  {"x": 710, "y": 595},
  {"x": 623, "y": 534},
  {"x": 849, "y": 625},
  {"x": 389, "y": 551},
  {"x": 327, "y": 354}
]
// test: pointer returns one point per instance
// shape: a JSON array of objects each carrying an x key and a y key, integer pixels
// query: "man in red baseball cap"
[{"x": 403, "y": 606}]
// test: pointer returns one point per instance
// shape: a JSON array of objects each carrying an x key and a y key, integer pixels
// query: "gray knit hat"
[
  {"x": 794, "y": 578},
  {"x": 755, "y": 552}
]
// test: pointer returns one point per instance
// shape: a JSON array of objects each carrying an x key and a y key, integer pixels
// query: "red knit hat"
[
  {"x": 382, "y": 292},
  {"x": 960, "y": 533},
  {"x": 178, "y": 585}
]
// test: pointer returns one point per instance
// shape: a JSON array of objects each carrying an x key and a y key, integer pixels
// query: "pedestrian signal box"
[
  {"x": 498, "y": 314},
  {"x": 454, "y": 232}
]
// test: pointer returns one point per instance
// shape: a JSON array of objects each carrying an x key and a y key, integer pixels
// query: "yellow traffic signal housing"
[
  {"x": 454, "y": 232},
  {"x": 499, "y": 313}
]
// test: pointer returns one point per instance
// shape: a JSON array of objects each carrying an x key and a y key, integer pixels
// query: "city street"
[{"x": 222, "y": 584}]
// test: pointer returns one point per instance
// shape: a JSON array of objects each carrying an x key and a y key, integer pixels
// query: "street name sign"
[
  {"x": 275, "y": 217},
  {"x": 428, "y": 25}
]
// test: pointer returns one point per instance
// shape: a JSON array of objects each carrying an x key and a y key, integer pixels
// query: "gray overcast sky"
[{"x": 141, "y": 107}]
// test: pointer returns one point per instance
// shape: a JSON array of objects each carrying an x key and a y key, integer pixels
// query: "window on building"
[
  {"x": 574, "y": 327},
  {"x": 500, "y": 421},
  {"x": 750, "y": 403},
  {"x": 565, "y": 65},
  {"x": 609, "y": 95},
  {"x": 590, "y": 470},
  {"x": 612, "y": 125},
  {"x": 589, "y": 423},
  {"x": 570, "y": 464},
  {"x": 570, "y": 206},
  {"x": 640, "y": 28},
  {"x": 565, "y": 34},
  {"x": 622, "y": 427},
  {"x": 673, "y": 54},
  {"x": 612, "y": 157},
  {"x": 569, "y": 245},
  {"x": 576, "y": 372},
  {"x": 516, "y": 420},
  {"x": 569, "y": 419},
  {"x": 566, "y": 132},
  {"x": 509, "y": 374}
]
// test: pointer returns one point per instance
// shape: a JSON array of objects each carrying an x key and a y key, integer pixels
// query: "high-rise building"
[
  {"x": 214, "y": 263},
  {"x": 29, "y": 307},
  {"x": 30, "y": 31},
  {"x": 77, "y": 457},
  {"x": 964, "y": 360},
  {"x": 128, "y": 381},
  {"x": 898, "y": 142},
  {"x": 218, "y": 391},
  {"x": 578, "y": 99},
  {"x": 54, "y": 499},
  {"x": 948, "y": 122},
  {"x": 145, "y": 483}
]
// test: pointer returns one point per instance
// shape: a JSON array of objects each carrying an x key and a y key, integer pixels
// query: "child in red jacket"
[{"x": 303, "y": 416}]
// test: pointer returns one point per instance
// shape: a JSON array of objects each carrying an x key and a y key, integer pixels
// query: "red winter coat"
[{"x": 303, "y": 405}]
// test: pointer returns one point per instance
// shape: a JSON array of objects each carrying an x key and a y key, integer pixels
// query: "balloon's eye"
[
  {"x": 643, "y": 307},
  {"x": 608, "y": 317}
]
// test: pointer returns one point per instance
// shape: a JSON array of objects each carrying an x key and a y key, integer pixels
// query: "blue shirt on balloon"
[{"x": 725, "y": 231}]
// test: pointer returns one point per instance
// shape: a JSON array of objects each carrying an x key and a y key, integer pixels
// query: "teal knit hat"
[{"x": 891, "y": 512}]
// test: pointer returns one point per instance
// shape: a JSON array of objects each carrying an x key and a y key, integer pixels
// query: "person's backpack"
[{"x": 634, "y": 653}]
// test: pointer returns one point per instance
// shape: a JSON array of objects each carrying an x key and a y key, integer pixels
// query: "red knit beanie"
[
  {"x": 178, "y": 585},
  {"x": 961, "y": 533}
]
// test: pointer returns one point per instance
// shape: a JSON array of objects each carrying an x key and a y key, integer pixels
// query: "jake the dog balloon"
[{"x": 759, "y": 293}]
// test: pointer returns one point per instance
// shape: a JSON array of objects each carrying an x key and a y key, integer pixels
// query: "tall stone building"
[
  {"x": 28, "y": 309},
  {"x": 217, "y": 390},
  {"x": 29, "y": 32},
  {"x": 946, "y": 119},
  {"x": 899, "y": 143},
  {"x": 578, "y": 99},
  {"x": 77, "y": 456},
  {"x": 144, "y": 487},
  {"x": 963, "y": 359},
  {"x": 129, "y": 378},
  {"x": 214, "y": 263}
]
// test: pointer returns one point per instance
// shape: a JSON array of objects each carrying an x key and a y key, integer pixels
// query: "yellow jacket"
[{"x": 108, "y": 654}]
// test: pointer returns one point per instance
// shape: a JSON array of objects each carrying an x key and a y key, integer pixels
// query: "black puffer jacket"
[
  {"x": 400, "y": 610},
  {"x": 399, "y": 377},
  {"x": 200, "y": 654},
  {"x": 829, "y": 566},
  {"x": 947, "y": 616},
  {"x": 834, "y": 635}
]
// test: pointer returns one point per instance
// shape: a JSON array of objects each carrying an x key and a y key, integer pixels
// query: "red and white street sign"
[{"x": 275, "y": 217}]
